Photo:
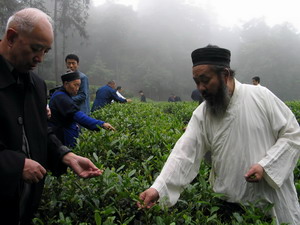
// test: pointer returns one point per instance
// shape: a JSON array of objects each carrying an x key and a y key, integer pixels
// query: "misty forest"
[{"x": 149, "y": 48}]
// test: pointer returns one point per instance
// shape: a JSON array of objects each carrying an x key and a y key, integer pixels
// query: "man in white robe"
[{"x": 250, "y": 136}]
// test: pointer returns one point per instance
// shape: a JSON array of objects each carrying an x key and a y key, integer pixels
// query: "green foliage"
[
  {"x": 98, "y": 73},
  {"x": 8, "y": 7},
  {"x": 295, "y": 107},
  {"x": 132, "y": 157}
]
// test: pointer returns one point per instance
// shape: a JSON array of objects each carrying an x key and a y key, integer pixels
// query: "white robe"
[{"x": 257, "y": 128}]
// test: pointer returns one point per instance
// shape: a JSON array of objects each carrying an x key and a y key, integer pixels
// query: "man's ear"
[
  {"x": 226, "y": 74},
  {"x": 11, "y": 35}
]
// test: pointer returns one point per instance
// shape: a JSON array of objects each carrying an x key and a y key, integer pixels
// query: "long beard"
[{"x": 218, "y": 103}]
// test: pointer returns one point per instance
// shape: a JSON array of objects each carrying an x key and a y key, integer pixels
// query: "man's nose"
[
  {"x": 39, "y": 57},
  {"x": 201, "y": 87}
]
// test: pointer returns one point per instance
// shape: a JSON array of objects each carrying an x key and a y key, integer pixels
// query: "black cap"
[
  {"x": 70, "y": 76},
  {"x": 211, "y": 55}
]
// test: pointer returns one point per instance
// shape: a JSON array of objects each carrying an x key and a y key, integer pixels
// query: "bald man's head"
[
  {"x": 26, "y": 19},
  {"x": 28, "y": 36}
]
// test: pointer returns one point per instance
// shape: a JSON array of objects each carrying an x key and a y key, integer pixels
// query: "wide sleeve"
[
  {"x": 282, "y": 157},
  {"x": 56, "y": 151},
  {"x": 11, "y": 169},
  {"x": 182, "y": 166}
]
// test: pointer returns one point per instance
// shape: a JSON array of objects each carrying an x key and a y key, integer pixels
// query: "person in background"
[
  {"x": 250, "y": 137},
  {"x": 82, "y": 99},
  {"x": 28, "y": 148},
  {"x": 196, "y": 96},
  {"x": 174, "y": 98},
  {"x": 256, "y": 80},
  {"x": 66, "y": 114},
  {"x": 106, "y": 94},
  {"x": 143, "y": 97},
  {"x": 118, "y": 91}
]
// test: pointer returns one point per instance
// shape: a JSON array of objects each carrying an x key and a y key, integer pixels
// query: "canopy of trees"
[{"x": 149, "y": 48}]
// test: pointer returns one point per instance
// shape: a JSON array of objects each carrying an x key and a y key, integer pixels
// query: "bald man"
[{"x": 27, "y": 147}]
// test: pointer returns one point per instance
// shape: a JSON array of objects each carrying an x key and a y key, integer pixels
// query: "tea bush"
[
  {"x": 132, "y": 157},
  {"x": 295, "y": 107}
]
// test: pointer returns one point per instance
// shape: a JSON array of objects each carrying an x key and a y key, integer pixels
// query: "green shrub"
[
  {"x": 132, "y": 157},
  {"x": 295, "y": 107}
]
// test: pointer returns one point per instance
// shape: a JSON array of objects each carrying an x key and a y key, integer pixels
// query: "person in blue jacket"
[
  {"x": 106, "y": 94},
  {"x": 82, "y": 98},
  {"x": 66, "y": 115}
]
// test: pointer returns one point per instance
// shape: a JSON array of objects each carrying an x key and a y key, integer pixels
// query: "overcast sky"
[{"x": 236, "y": 12}]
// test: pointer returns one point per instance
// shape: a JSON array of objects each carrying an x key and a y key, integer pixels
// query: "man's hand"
[
  {"x": 149, "y": 198},
  {"x": 107, "y": 126},
  {"x": 33, "y": 172},
  {"x": 82, "y": 166},
  {"x": 255, "y": 174},
  {"x": 128, "y": 100}
]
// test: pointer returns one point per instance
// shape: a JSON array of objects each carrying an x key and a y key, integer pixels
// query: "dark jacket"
[
  {"x": 104, "y": 96},
  {"x": 82, "y": 99},
  {"x": 65, "y": 117},
  {"x": 26, "y": 107}
]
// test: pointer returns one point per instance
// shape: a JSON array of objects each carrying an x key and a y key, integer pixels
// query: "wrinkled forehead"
[{"x": 201, "y": 70}]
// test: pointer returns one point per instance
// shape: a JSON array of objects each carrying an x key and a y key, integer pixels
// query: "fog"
[{"x": 148, "y": 47}]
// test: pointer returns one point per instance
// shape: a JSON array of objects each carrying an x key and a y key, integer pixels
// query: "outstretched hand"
[
  {"x": 149, "y": 198},
  {"x": 107, "y": 126},
  {"x": 255, "y": 173},
  {"x": 82, "y": 166}
]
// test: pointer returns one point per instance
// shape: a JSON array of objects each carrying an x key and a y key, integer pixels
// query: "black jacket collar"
[{"x": 6, "y": 76}]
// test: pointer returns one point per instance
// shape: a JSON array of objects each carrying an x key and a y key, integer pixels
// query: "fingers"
[
  {"x": 255, "y": 173},
  {"x": 33, "y": 172},
  {"x": 110, "y": 127},
  {"x": 90, "y": 174},
  {"x": 84, "y": 167},
  {"x": 92, "y": 171},
  {"x": 107, "y": 126},
  {"x": 149, "y": 198},
  {"x": 251, "y": 177},
  {"x": 142, "y": 203}
]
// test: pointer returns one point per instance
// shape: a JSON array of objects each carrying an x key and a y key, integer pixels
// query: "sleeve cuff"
[
  {"x": 63, "y": 151},
  {"x": 268, "y": 176}
]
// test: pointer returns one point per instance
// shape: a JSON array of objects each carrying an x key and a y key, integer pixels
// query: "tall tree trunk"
[
  {"x": 64, "y": 31},
  {"x": 55, "y": 44}
]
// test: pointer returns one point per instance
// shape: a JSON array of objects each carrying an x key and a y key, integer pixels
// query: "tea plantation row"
[{"x": 132, "y": 157}]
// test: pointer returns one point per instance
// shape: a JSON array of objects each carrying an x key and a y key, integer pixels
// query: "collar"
[
  {"x": 6, "y": 76},
  {"x": 237, "y": 87}
]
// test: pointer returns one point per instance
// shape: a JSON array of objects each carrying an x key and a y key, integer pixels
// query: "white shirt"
[
  {"x": 120, "y": 95},
  {"x": 257, "y": 128}
]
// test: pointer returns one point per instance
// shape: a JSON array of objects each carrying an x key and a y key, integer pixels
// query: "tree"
[
  {"x": 8, "y": 7},
  {"x": 69, "y": 17},
  {"x": 272, "y": 54}
]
